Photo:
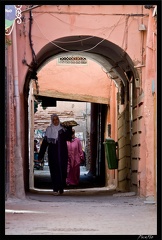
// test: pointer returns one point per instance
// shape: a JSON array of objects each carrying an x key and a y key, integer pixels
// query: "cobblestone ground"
[{"x": 81, "y": 212}]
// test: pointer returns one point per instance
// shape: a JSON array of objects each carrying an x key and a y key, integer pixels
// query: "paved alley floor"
[{"x": 96, "y": 211}]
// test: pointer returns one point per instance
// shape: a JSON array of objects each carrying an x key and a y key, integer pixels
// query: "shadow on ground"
[{"x": 42, "y": 180}]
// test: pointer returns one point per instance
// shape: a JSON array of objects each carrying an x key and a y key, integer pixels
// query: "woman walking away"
[
  {"x": 56, "y": 138},
  {"x": 75, "y": 157}
]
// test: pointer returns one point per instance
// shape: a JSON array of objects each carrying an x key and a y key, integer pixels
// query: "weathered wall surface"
[
  {"x": 79, "y": 82},
  {"x": 119, "y": 27},
  {"x": 117, "y": 24}
]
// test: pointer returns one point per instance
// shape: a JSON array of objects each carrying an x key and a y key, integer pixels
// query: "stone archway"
[{"x": 116, "y": 63}]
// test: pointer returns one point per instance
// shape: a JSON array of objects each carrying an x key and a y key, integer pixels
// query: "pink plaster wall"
[
  {"x": 10, "y": 126},
  {"x": 148, "y": 142},
  {"x": 81, "y": 82},
  {"x": 103, "y": 21},
  {"x": 53, "y": 22},
  {"x": 112, "y": 119}
]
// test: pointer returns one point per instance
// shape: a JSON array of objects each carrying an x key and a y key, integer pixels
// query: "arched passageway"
[
  {"x": 122, "y": 39},
  {"x": 118, "y": 67},
  {"x": 113, "y": 58}
]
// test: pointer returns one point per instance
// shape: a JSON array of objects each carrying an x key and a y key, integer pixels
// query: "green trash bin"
[{"x": 110, "y": 152}]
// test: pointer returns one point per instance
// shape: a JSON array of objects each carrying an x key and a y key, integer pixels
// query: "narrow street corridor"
[{"x": 88, "y": 72}]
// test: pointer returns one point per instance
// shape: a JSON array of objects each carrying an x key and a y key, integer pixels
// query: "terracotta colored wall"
[
  {"x": 72, "y": 20},
  {"x": 112, "y": 119},
  {"x": 108, "y": 22},
  {"x": 10, "y": 126},
  {"x": 82, "y": 82},
  {"x": 148, "y": 142}
]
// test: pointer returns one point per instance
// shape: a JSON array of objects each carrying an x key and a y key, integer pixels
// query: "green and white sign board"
[{"x": 10, "y": 15}]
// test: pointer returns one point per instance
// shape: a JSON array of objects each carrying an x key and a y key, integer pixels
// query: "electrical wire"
[
  {"x": 106, "y": 28},
  {"x": 90, "y": 14},
  {"x": 66, "y": 23},
  {"x": 74, "y": 41},
  {"x": 126, "y": 32},
  {"x": 31, "y": 8},
  {"x": 30, "y": 40},
  {"x": 62, "y": 41},
  {"x": 66, "y": 50},
  {"x": 85, "y": 27},
  {"x": 96, "y": 29},
  {"x": 80, "y": 40}
]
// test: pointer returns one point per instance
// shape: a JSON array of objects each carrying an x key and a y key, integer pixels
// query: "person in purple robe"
[
  {"x": 75, "y": 157},
  {"x": 56, "y": 137}
]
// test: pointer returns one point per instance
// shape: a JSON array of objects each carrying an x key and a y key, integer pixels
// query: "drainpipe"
[
  {"x": 19, "y": 180},
  {"x": 131, "y": 118},
  {"x": 131, "y": 106}
]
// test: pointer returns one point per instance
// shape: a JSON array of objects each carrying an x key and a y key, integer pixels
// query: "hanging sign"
[{"x": 11, "y": 13}]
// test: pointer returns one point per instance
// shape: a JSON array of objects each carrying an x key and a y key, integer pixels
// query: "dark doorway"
[{"x": 94, "y": 176}]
